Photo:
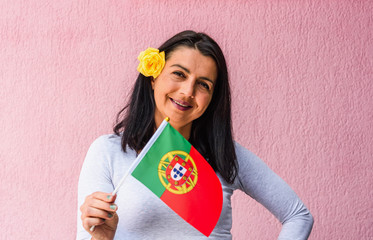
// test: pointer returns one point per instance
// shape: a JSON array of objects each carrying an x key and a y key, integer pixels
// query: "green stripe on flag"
[{"x": 147, "y": 170}]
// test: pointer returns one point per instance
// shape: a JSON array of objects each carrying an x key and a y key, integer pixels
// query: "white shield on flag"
[{"x": 178, "y": 171}]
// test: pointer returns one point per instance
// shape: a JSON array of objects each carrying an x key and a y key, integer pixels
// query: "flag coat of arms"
[{"x": 178, "y": 174}]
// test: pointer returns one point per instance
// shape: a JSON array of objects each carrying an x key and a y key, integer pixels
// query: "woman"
[{"x": 192, "y": 89}]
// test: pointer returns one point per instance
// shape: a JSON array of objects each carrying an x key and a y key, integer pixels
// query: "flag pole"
[{"x": 139, "y": 157}]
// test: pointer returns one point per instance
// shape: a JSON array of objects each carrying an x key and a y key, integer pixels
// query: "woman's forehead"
[{"x": 193, "y": 60}]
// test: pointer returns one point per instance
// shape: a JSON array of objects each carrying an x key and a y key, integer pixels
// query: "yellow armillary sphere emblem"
[{"x": 177, "y": 172}]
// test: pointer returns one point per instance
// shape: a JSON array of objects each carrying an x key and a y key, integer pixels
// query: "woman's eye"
[
  {"x": 179, "y": 74},
  {"x": 204, "y": 85}
]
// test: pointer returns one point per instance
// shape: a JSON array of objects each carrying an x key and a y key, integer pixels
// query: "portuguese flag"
[{"x": 178, "y": 174}]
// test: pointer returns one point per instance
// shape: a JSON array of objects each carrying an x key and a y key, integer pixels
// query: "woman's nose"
[{"x": 188, "y": 87}]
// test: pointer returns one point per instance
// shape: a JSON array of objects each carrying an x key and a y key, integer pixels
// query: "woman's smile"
[{"x": 181, "y": 105}]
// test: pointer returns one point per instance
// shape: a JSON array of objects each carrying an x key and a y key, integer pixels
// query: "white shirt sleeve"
[
  {"x": 94, "y": 176},
  {"x": 256, "y": 179}
]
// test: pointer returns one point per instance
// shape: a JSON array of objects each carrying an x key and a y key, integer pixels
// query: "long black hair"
[{"x": 211, "y": 134}]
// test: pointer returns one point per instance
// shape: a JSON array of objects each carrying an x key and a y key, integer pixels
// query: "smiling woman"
[
  {"x": 192, "y": 88},
  {"x": 184, "y": 89}
]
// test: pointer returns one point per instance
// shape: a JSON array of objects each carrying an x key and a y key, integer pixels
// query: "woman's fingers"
[
  {"x": 106, "y": 197},
  {"x": 106, "y": 206},
  {"x": 98, "y": 208},
  {"x": 92, "y": 211}
]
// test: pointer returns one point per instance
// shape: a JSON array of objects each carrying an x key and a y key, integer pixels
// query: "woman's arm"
[
  {"x": 261, "y": 183},
  {"x": 95, "y": 185}
]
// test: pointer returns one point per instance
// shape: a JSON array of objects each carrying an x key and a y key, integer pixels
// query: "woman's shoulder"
[
  {"x": 243, "y": 153},
  {"x": 249, "y": 164},
  {"x": 107, "y": 139},
  {"x": 107, "y": 142}
]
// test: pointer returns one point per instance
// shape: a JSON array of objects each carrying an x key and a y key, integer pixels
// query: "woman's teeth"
[{"x": 180, "y": 104}]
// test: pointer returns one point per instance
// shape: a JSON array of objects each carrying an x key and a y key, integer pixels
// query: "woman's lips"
[{"x": 181, "y": 105}]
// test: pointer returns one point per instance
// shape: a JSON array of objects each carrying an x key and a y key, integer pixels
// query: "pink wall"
[{"x": 301, "y": 75}]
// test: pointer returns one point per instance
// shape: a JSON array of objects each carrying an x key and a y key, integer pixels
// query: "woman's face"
[{"x": 184, "y": 88}]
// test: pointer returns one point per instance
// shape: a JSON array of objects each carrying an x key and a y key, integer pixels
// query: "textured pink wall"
[{"x": 301, "y": 74}]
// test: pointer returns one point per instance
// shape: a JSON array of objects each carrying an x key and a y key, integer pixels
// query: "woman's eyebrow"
[
  {"x": 184, "y": 68},
  {"x": 187, "y": 70}
]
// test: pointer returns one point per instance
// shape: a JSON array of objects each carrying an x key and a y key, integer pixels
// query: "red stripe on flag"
[{"x": 201, "y": 207}]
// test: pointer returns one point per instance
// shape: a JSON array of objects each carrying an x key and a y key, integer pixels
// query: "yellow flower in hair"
[{"x": 151, "y": 62}]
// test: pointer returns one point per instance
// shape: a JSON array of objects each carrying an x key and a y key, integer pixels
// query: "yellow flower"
[{"x": 151, "y": 62}]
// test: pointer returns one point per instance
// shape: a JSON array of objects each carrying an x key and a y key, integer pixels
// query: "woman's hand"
[{"x": 99, "y": 210}]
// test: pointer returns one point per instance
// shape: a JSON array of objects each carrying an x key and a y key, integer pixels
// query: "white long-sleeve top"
[{"x": 142, "y": 215}]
